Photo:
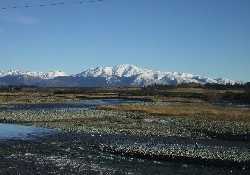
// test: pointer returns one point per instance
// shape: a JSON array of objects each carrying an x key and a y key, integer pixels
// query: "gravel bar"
[{"x": 205, "y": 139}]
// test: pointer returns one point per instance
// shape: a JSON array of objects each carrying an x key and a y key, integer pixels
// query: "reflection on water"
[
  {"x": 18, "y": 131},
  {"x": 12, "y": 131}
]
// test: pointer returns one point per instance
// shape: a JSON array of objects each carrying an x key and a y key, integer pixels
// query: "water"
[
  {"x": 234, "y": 105},
  {"x": 77, "y": 105},
  {"x": 70, "y": 153},
  {"x": 22, "y": 132},
  {"x": 13, "y": 131},
  {"x": 31, "y": 150}
]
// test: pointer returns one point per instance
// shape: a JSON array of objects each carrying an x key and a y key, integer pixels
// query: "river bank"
[
  {"x": 73, "y": 153},
  {"x": 204, "y": 139}
]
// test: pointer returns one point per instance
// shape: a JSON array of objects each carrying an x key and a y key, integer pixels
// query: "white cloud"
[{"x": 20, "y": 19}]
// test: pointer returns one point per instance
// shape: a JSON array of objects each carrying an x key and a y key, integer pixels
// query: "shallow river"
[
  {"x": 30, "y": 150},
  {"x": 77, "y": 105}
]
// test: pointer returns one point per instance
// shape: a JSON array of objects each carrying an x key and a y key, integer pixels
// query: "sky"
[{"x": 210, "y": 38}]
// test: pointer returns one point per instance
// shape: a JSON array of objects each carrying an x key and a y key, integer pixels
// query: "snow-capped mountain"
[
  {"x": 122, "y": 75},
  {"x": 143, "y": 77},
  {"x": 49, "y": 75},
  {"x": 125, "y": 70}
]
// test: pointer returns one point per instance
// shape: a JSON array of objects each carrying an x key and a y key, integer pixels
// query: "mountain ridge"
[
  {"x": 121, "y": 75},
  {"x": 48, "y": 75}
]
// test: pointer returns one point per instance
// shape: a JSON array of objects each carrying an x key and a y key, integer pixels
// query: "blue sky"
[{"x": 205, "y": 37}]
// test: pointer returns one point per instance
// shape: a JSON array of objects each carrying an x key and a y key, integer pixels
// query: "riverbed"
[
  {"x": 36, "y": 150},
  {"x": 54, "y": 152}
]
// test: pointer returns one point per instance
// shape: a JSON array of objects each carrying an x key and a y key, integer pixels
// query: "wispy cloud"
[{"x": 20, "y": 19}]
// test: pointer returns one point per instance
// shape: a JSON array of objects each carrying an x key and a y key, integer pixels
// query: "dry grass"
[
  {"x": 202, "y": 91},
  {"x": 174, "y": 99},
  {"x": 183, "y": 110},
  {"x": 31, "y": 97}
]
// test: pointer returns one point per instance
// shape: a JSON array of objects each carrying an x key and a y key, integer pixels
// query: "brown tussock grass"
[{"x": 182, "y": 110}]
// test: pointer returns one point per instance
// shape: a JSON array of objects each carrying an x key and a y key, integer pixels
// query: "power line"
[{"x": 50, "y": 4}]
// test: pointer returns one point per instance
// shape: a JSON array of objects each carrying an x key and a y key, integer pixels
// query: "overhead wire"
[{"x": 50, "y": 4}]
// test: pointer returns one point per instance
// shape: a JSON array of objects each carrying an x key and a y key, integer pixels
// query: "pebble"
[{"x": 131, "y": 123}]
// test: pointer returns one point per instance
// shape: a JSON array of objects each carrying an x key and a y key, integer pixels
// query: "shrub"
[{"x": 246, "y": 96}]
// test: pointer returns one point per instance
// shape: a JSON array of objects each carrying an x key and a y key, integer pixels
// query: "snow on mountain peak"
[
  {"x": 49, "y": 75},
  {"x": 97, "y": 72},
  {"x": 9, "y": 72},
  {"x": 126, "y": 75},
  {"x": 53, "y": 74},
  {"x": 125, "y": 70},
  {"x": 146, "y": 77}
]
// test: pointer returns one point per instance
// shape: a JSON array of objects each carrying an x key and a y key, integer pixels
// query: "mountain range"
[{"x": 122, "y": 75}]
